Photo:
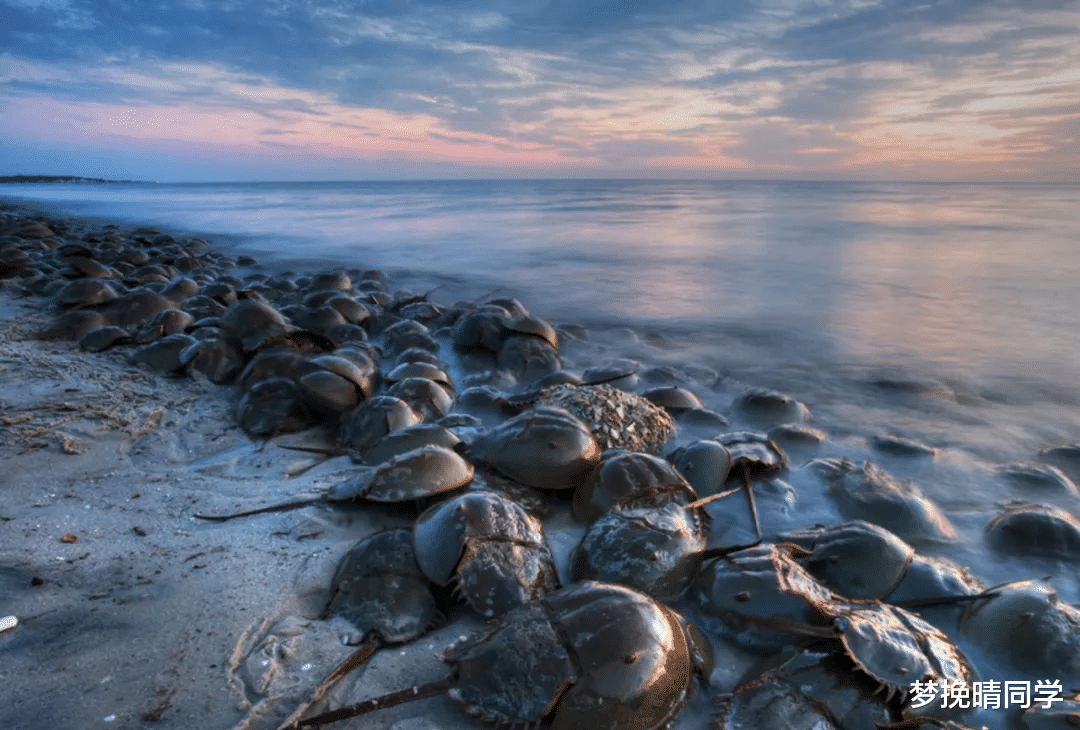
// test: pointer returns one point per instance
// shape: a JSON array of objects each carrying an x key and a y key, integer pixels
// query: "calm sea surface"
[{"x": 943, "y": 312}]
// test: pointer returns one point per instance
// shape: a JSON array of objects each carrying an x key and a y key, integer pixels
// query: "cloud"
[{"x": 840, "y": 86}]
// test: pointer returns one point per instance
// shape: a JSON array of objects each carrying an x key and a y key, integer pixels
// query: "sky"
[{"x": 238, "y": 90}]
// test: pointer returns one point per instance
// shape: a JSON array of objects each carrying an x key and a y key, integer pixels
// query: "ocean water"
[{"x": 947, "y": 313}]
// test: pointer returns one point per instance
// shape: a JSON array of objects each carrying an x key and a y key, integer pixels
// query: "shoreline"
[{"x": 130, "y": 610}]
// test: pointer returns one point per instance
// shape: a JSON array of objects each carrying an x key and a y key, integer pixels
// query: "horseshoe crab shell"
[
  {"x": 810, "y": 691},
  {"x": 631, "y": 666},
  {"x": 765, "y": 407},
  {"x": 373, "y": 419},
  {"x": 273, "y": 406},
  {"x": 416, "y": 474},
  {"x": 85, "y": 293},
  {"x": 673, "y": 398},
  {"x": 758, "y": 595},
  {"x": 622, "y": 474},
  {"x": 856, "y": 559},
  {"x": 705, "y": 464},
  {"x": 618, "y": 420},
  {"x": 378, "y": 587},
  {"x": 650, "y": 544},
  {"x": 491, "y": 547},
  {"x": 753, "y": 451},
  {"x": 543, "y": 447},
  {"x": 1025, "y": 626},
  {"x": 896, "y": 647},
  {"x": 250, "y": 322},
  {"x": 869, "y": 493},
  {"x": 1035, "y": 529}
]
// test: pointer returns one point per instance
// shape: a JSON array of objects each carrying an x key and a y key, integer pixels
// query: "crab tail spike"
[
  {"x": 713, "y": 498},
  {"x": 316, "y": 450},
  {"x": 281, "y": 507},
  {"x": 351, "y": 662},
  {"x": 753, "y": 504},
  {"x": 377, "y": 703}
]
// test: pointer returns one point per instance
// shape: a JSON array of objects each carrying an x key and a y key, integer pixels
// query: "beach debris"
[
  {"x": 589, "y": 655},
  {"x": 489, "y": 547}
]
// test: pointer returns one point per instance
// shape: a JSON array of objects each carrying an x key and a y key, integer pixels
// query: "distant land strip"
[{"x": 55, "y": 179}]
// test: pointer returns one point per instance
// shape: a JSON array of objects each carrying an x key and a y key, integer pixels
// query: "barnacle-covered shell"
[{"x": 618, "y": 420}]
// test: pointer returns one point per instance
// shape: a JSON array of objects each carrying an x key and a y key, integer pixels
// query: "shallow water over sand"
[{"x": 942, "y": 313}]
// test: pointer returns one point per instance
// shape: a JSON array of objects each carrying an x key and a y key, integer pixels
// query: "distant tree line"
[{"x": 54, "y": 179}]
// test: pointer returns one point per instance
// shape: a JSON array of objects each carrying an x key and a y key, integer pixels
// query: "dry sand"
[{"x": 134, "y": 614}]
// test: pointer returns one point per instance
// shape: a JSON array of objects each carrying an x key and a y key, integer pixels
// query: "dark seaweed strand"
[{"x": 376, "y": 703}]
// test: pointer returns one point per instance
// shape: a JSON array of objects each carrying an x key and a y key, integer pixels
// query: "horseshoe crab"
[
  {"x": 429, "y": 399},
  {"x": 673, "y": 398},
  {"x": 812, "y": 690},
  {"x": 861, "y": 560},
  {"x": 870, "y": 493},
  {"x": 1036, "y": 529},
  {"x": 765, "y": 407},
  {"x": 379, "y": 589},
  {"x": 590, "y": 655},
  {"x": 705, "y": 464},
  {"x": 85, "y": 293},
  {"x": 543, "y": 447},
  {"x": 648, "y": 542},
  {"x": 1025, "y": 626},
  {"x": 414, "y": 475},
  {"x": 622, "y": 474},
  {"x": 618, "y": 420},
  {"x": 373, "y": 419},
  {"x": 490, "y": 547},
  {"x": 1039, "y": 477}
]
